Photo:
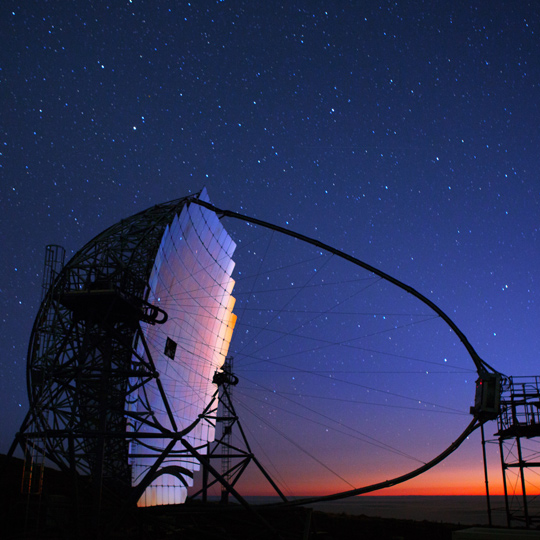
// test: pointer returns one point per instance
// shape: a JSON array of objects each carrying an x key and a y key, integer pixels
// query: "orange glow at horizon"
[
  {"x": 406, "y": 489},
  {"x": 460, "y": 474},
  {"x": 441, "y": 481}
]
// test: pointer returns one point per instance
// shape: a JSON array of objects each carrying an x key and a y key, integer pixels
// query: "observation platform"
[
  {"x": 520, "y": 408},
  {"x": 110, "y": 305}
]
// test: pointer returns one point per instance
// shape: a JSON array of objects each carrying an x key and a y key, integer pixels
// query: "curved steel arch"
[{"x": 483, "y": 368}]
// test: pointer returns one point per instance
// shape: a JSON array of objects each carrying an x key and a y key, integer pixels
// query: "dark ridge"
[{"x": 54, "y": 515}]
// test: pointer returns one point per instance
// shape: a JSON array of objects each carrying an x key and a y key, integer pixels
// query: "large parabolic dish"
[
  {"x": 124, "y": 347},
  {"x": 191, "y": 281},
  {"x": 348, "y": 376}
]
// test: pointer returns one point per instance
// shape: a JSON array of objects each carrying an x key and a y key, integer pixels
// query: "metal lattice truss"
[
  {"x": 519, "y": 448},
  {"x": 83, "y": 367}
]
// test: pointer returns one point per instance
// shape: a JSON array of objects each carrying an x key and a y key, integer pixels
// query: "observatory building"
[{"x": 123, "y": 352}]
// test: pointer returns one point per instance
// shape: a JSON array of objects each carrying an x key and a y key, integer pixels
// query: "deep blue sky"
[{"x": 405, "y": 133}]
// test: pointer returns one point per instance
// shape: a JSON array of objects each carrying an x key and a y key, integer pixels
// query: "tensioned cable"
[
  {"x": 300, "y": 289},
  {"x": 295, "y": 444},
  {"x": 291, "y": 369},
  {"x": 253, "y": 441},
  {"x": 318, "y": 314},
  {"x": 275, "y": 269},
  {"x": 476, "y": 359},
  {"x": 329, "y": 313},
  {"x": 355, "y": 313},
  {"x": 312, "y": 286},
  {"x": 281, "y": 268},
  {"x": 259, "y": 269},
  {"x": 481, "y": 365},
  {"x": 473, "y": 425},
  {"x": 175, "y": 367},
  {"x": 247, "y": 391},
  {"x": 344, "y": 343},
  {"x": 304, "y": 323},
  {"x": 192, "y": 389},
  {"x": 194, "y": 300},
  {"x": 385, "y": 392},
  {"x": 364, "y": 336},
  {"x": 363, "y": 436}
]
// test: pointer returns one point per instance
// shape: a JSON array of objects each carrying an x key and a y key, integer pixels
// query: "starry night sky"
[{"x": 404, "y": 133}]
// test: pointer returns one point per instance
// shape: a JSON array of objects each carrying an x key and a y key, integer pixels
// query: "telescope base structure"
[{"x": 519, "y": 444}]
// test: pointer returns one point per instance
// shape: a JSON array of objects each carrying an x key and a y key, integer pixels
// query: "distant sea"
[{"x": 466, "y": 510}]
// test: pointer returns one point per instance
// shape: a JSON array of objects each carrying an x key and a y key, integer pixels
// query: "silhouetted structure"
[
  {"x": 518, "y": 433},
  {"x": 127, "y": 372},
  {"x": 123, "y": 352}
]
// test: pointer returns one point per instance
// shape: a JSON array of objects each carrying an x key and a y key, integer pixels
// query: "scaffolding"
[
  {"x": 234, "y": 456},
  {"x": 519, "y": 444}
]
